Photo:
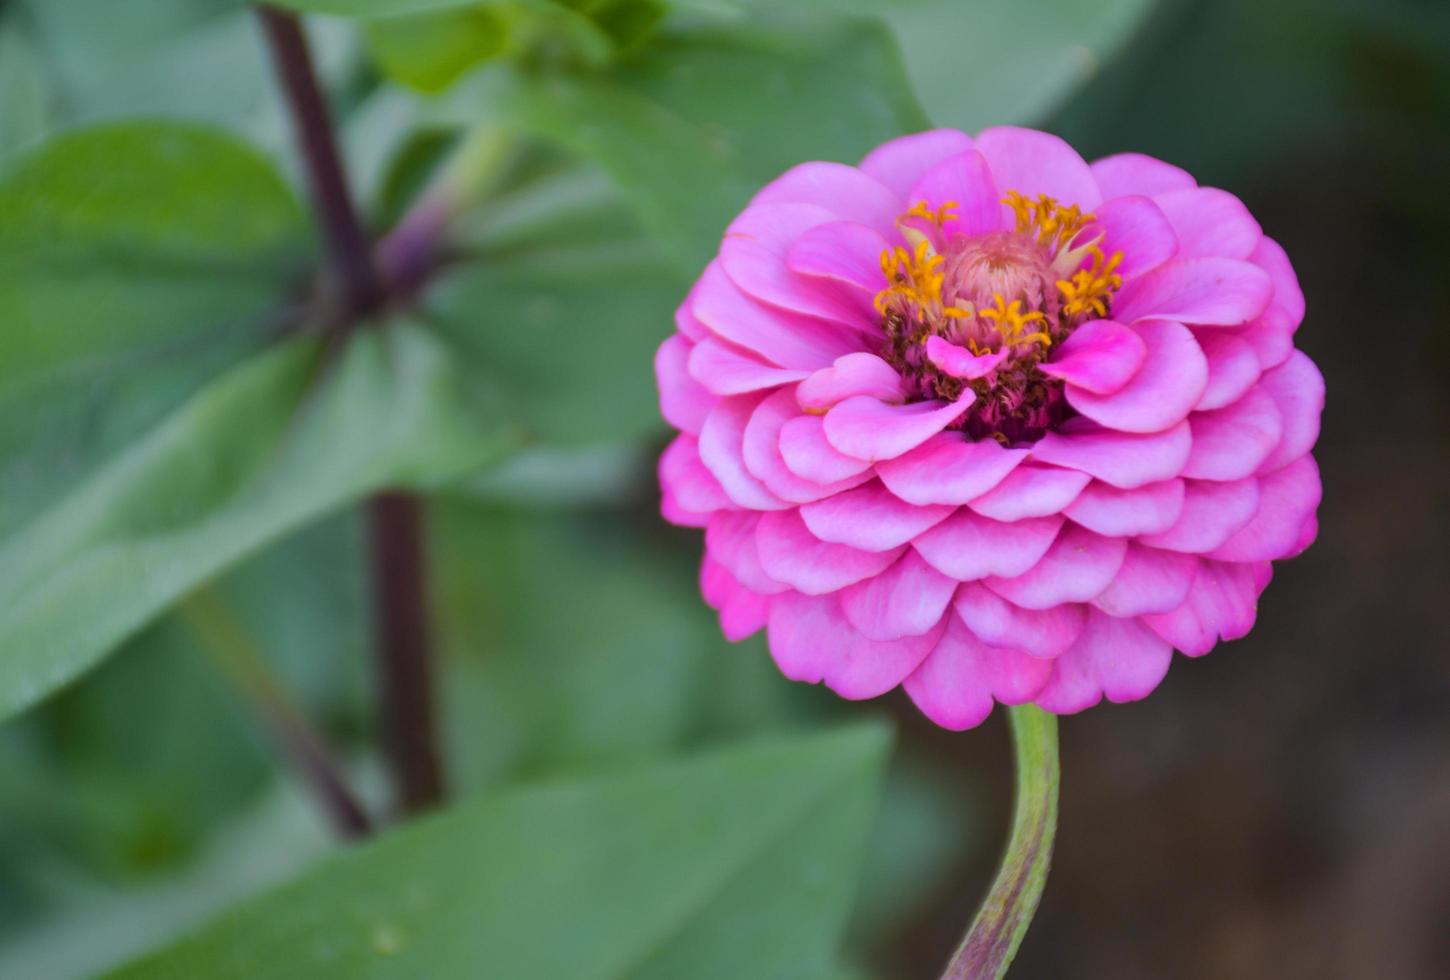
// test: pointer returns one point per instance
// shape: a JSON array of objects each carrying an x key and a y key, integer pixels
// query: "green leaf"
[
  {"x": 730, "y": 865},
  {"x": 136, "y": 261},
  {"x": 264, "y": 450},
  {"x": 429, "y": 52}
]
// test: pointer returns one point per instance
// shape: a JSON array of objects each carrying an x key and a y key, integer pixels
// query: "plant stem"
[
  {"x": 1001, "y": 922},
  {"x": 349, "y": 248},
  {"x": 234, "y": 652},
  {"x": 403, "y": 656}
]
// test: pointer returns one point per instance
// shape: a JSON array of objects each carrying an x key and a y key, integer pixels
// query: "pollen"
[
  {"x": 1053, "y": 225},
  {"x": 939, "y": 216},
  {"x": 1092, "y": 288},
  {"x": 914, "y": 276},
  {"x": 1012, "y": 323}
]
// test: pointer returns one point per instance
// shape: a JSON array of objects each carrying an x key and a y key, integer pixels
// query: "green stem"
[{"x": 1002, "y": 921}]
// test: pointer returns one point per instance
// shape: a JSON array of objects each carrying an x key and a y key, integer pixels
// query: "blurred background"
[{"x": 1280, "y": 808}]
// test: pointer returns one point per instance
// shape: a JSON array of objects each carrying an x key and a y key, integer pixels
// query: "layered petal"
[
  {"x": 790, "y": 553},
  {"x": 1161, "y": 393},
  {"x": 958, "y": 683},
  {"x": 901, "y": 162},
  {"x": 812, "y": 641},
  {"x": 908, "y": 599},
  {"x": 1138, "y": 173},
  {"x": 870, "y": 517},
  {"x": 1031, "y": 491},
  {"x": 869, "y": 429},
  {"x": 1210, "y": 222},
  {"x": 1078, "y": 566},
  {"x": 1119, "y": 458},
  {"x": 966, "y": 181},
  {"x": 1033, "y": 163},
  {"x": 1148, "y": 509},
  {"x": 1100, "y": 357},
  {"x": 1217, "y": 291},
  {"x": 1043, "y": 633},
  {"x": 948, "y": 469},
  {"x": 1119, "y": 659},
  {"x": 968, "y": 546},
  {"x": 1222, "y": 603}
]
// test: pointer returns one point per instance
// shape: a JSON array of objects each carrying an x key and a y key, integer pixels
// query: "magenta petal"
[
  {"x": 812, "y": 642},
  {"x": 1222, "y": 603},
  {"x": 721, "y": 451},
  {"x": 1288, "y": 499},
  {"x": 1136, "y": 227},
  {"x": 842, "y": 190},
  {"x": 901, "y": 162},
  {"x": 672, "y": 512},
  {"x": 1119, "y": 458},
  {"x": 683, "y": 402},
  {"x": 1116, "y": 658},
  {"x": 960, "y": 362},
  {"x": 1031, "y": 491},
  {"x": 853, "y": 374},
  {"x": 1137, "y": 173},
  {"x": 1162, "y": 393},
  {"x": 1270, "y": 257},
  {"x": 844, "y": 253},
  {"x": 1230, "y": 443},
  {"x": 967, "y": 546},
  {"x": 1108, "y": 510},
  {"x": 725, "y": 370},
  {"x": 692, "y": 486},
  {"x": 1271, "y": 336},
  {"x": 1100, "y": 356},
  {"x": 761, "y": 451},
  {"x": 870, "y": 517},
  {"x": 790, "y": 553},
  {"x": 1217, "y": 291},
  {"x": 808, "y": 455},
  {"x": 1212, "y": 512},
  {"x": 1233, "y": 367},
  {"x": 1033, "y": 163},
  {"x": 1044, "y": 633},
  {"x": 1148, "y": 581},
  {"x": 779, "y": 337},
  {"x": 742, "y": 613},
  {"x": 731, "y": 540},
  {"x": 753, "y": 254},
  {"x": 1297, "y": 388},
  {"x": 958, "y": 683},
  {"x": 947, "y": 469},
  {"x": 873, "y": 430},
  {"x": 908, "y": 599},
  {"x": 966, "y": 180},
  {"x": 1078, "y": 566},
  {"x": 1210, "y": 222}
]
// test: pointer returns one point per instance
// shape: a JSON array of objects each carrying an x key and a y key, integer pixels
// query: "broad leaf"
[
  {"x": 736, "y": 864},
  {"x": 265, "y": 449}
]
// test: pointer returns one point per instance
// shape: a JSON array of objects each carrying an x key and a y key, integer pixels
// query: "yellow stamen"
[
  {"x": 1012, "y": 323},
  {"x": 916, "y": 277},
  {"x": 940, "y": 216},
  {"x": 1054, "y": 225},
  {"x": 1092, "y": 288}
]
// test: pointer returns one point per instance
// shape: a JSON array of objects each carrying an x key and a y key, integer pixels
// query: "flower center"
[{"x": 983, "y": 311}]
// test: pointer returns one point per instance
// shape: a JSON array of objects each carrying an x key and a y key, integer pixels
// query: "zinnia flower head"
[{"x": 983, "y": 420}]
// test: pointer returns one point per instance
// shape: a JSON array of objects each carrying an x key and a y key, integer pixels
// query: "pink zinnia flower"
[{"x": 981, "y": 419}]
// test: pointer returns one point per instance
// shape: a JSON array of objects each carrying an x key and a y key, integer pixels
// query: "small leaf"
[
  {"x": 430, "y": 51},
  {"x": 730, "y": 865}
]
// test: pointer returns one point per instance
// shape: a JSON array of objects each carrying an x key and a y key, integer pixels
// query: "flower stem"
[
  {"x": 232, "y": 649},
  {"x": 1002, "y": 921}
]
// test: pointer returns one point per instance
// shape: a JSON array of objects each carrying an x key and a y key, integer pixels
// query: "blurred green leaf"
[
  {"x": 265, "y": 449},
  {"x": 730, "y": 865},
  {"x": 429, "y": 52},
  {"x": 136, "y": 261}
]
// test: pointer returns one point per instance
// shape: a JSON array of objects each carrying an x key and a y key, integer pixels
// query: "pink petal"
[
  {"x": 721, "y": 450},
  {"x": 967, "y": 546},
  {"x": 1230, "y": 443},
  {"x": 1108, "y": 510},
  {"x": 948, "y": 469},
  {"x": 808, "y": 455},
  {"x": 790, "y": 553},
  {"x": 958, "y": 683},
  {"x": 870, "y": 517},
  {"x": 1210, "y": 222},
  {"x": 965, "y": 179},
  {"x": 1137, "y": 173},
  {"x": 1162, "y": 393},
  {"x": 900, "y": 163},
  {"x": 1031, "y": 491},
  {"x": 1297, "y": 388},
  {"x": 761, "y": 451},
  {"x": 1149, "y": 581},
  {"x": 1116, "y": 658},
  {"x": 1222, "y": 603},
  {"x": 731, "y": 541},
  {"x": 1288, "y": 499},
  {"x": 1270, "y": 257},
  {"x": 691, "y": 486},
  {"x": 1100, "y": 356},
  {"x": 812, "y": 642},
  {"x": 873, "y": 430},
  {"x": 776, "y": 336},
  {"x": 908, "y": 599},
  {"x": 742, "y": 612},
  {"x": 846, "y": 254},
  {"x": 1078, "y": 566},
  {"x": 1044, "y": 633},
  {"x": 853, "y": 374},
  {"x": 683, "y": 402},
  {"x": 672, "y": 512},
  {"x": 1136, "y": 227},
  {"x": 960, "y": 362},
  {"x": 842, "y": 190},
  {"x": 686, "y": 321},
  {"x": 1233, "y": 367},
  {"x": 1224, "y": 292},
  {"x": 1271, "y": 336},
  {"x": 753, "y": 254},
  {"x": 724, "y": 370},
  {"x": 1033, "y": 163},
  {"x": 1119, "y": 458},
  {"x": 1212, "y": 512}
]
